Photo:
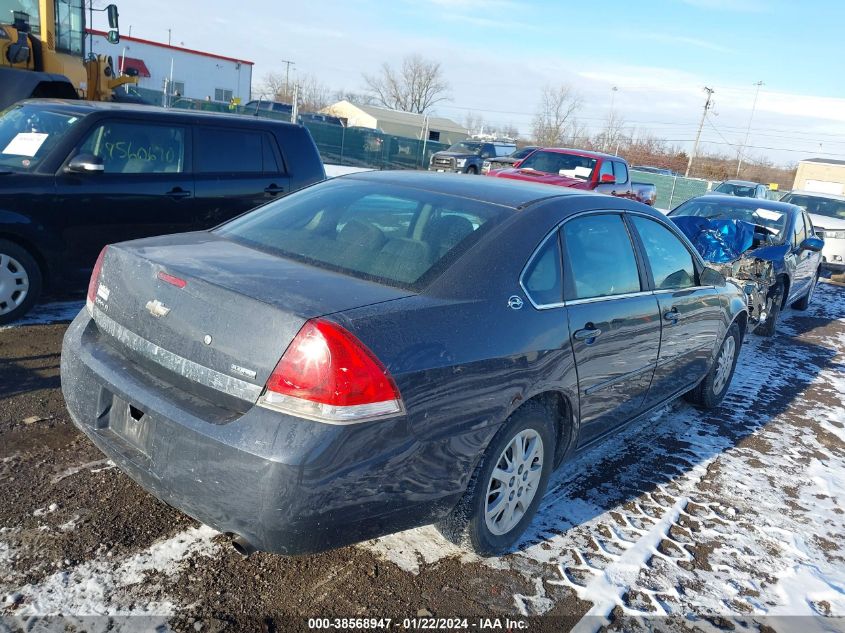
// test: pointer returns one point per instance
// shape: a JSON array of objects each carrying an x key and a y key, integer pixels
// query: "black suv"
[
  {"x": 467, "y": 157},
  {"x": 76, "y": 175}
]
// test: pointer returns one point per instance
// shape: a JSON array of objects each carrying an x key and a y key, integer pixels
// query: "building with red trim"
[{"x": 182, "y": 72}]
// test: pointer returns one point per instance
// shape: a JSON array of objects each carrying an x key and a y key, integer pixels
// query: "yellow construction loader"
[{"x": 42, "y": 53}]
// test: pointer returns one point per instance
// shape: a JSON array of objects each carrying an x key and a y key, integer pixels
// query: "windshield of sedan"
[
  {"x": 27, "y": 133},
  {"x": 394, "y": 235},
  {"x": 561, "y": 164},
  {"x": 466, "y": 148},
  {"x": 830, "y": 207},
  {"x": 773, "y": 220},
  {"x": 733, "y": 189}
]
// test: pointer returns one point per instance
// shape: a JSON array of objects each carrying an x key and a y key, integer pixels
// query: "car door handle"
[
  {"x": 274, "y": 190},
  {"x": 672, "y": 315},
  {"x": 586, "y": 334},
  {"x": 177, "y": 193}
]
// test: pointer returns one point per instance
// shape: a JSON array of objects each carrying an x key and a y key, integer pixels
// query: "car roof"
[
  {"x": 508, "y": 193},
  {"x": 751, "y": 203},
  {"x": 580, "y": 152},
  {"x": 84, "y": 108},
  {"x": 744, "y": 183},
  {"x": 816, "y": 194}
]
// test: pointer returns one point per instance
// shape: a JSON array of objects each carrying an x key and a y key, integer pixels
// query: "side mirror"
[
  {"x": 812, "y": 244},
  {"x": 712, "y": 277},
  {"x": 111, "y": 10},
  {"x": 85, "y": 163},
  {"x": 607, "y": 179}
]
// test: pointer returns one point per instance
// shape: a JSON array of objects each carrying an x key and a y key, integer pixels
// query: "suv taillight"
[
  {"x": 93, "y": 285},
  {"x": 328, "y": 375}
]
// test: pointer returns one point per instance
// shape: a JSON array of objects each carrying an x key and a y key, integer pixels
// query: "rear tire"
[
  {"x": 710, "y": 391},
  {"x": 20, "y": 281},
  {"x": 774, "y": 303},
  {"x": 804, "y": 302},
  {"x": 508, "y": 484}
]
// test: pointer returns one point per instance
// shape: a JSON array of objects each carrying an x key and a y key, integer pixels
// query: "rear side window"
[
  {"x": 800, "y": 231},
  {"x": 599, "y": 258},
  {"x": 220, "y": 151},
  {"x": 542, "y": 278},
  {"x": 127, "y": 147},
  {"x": 671, "y": 263},
  {"x": 395, "y": 235}
]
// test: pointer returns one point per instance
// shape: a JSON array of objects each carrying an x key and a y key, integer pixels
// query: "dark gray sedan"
[{"x": 387, "y": 350}]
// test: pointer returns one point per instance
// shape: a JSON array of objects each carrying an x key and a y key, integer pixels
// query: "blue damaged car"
[{"x": 769, "y": 248}]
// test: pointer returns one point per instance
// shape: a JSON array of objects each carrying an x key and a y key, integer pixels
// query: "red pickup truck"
[{"x": 580, "y": 169}]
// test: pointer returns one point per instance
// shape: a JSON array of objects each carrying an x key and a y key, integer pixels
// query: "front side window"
[
  {"x": 599, "y": 258},
  {"x": 800, "y": 231},
  {"x": 28, "y": 133},
  {"x": 126, "y": 147},
  {"x": 671, "y": 264},
  {"x": 398, "y": 236},
  {"x": 542, "y": 278}
]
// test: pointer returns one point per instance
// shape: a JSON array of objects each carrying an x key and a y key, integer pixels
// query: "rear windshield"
[
  {"x": 817, "y": 204},
  {"x": 27, "y": 133},
  {"x": 570, "y": 165},
  {"x": 396, "y": 235}
]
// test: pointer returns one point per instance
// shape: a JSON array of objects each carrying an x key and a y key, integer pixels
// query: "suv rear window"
[
  {"x": 232, "y": 151},
  {"x": 395, "y": 235}
]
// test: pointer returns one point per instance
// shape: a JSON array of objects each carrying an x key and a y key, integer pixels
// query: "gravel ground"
[{"x": 721, "y": 520}]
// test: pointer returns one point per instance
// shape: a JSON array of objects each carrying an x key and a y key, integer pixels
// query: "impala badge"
[{"x": 157, "y": 308}]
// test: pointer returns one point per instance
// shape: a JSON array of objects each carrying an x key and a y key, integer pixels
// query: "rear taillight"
[
  {"x": 94, "y": 284},
  {"x": 328, "y": 375}
]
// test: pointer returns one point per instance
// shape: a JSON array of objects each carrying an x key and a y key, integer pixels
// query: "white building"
[{"x": 195, "y": 74}]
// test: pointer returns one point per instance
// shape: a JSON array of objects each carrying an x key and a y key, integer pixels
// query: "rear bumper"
[{"x": 283, "y": 484}]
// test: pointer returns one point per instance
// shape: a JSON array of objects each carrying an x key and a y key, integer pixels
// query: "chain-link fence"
[{"x": 671, "y": 190}]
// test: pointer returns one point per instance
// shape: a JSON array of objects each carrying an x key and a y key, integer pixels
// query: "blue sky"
[{"x": 498, "y": 54}]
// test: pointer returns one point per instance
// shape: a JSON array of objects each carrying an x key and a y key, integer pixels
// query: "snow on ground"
[
  {"x": 104, "y": 586},
  {"x": 734, "y": 512},
  {"x": 53, "y": 312}
]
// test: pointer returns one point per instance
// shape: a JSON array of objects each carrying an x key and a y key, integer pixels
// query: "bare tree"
[
  {"x": 358, "y": 98},
  {"x": 557, "y": 108},
  {"x": 473, "y": 122},
  {"x": 415, "y": 87},
  {"x": 313, "y": 95},
  {"x": 613, "y": 133}
]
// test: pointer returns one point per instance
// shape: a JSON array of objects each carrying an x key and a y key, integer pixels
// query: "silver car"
[{"x": 827, "y": 211}]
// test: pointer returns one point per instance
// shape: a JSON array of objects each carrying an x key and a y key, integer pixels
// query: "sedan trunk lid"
[{"x": 212, "y": 315}]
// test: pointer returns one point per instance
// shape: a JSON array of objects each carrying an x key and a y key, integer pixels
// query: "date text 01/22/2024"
[{"x": 418, "y": 623}]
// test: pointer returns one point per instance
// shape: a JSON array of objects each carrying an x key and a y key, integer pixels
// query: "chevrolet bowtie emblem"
[{"x": 157, "y": 308}]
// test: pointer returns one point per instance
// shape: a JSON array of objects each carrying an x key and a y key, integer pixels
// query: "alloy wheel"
[
  {"x": 514, "y": 481},
  {"x": 14, "y": 283},
  {"x": 724, "y": 365}
]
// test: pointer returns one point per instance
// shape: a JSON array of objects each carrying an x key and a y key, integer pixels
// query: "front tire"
[
  {"x": 472, "y": 170},
  {"x": 710, "y": 391},
  {"x": 20, "y": 281},
  {"x": 776, "y": 294},
  {"x": 508, "y": 484}
]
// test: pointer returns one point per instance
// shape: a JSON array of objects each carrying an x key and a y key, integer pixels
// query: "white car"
[{"x": 827, "y": 211}]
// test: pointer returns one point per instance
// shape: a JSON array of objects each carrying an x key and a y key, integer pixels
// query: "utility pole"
[
  {"x": 748, "y": 129},
  {"x": 287, "y": 76},
  {"x": 168, "y": 36},
  {"x": 294, "y": 115},
  {"x": 707, "y": 105}
]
